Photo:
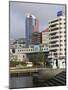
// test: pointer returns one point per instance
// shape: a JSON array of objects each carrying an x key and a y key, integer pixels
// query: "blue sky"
[{"x": 19, "y": 10}]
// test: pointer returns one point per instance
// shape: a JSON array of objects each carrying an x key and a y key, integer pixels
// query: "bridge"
[{"x": 28, "y": 50}]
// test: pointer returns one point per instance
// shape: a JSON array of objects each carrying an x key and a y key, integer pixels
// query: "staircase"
[{"x": 58, "y": 80}]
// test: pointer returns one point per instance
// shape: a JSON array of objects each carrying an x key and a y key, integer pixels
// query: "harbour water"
[
  {"x": 32, "y": 80},
  {"x": 21, "y": 82}
]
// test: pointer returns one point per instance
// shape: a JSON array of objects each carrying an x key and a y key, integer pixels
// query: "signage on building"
[
  {"x": 36, "y": 47},
  {"x": 60, "y": 13}
]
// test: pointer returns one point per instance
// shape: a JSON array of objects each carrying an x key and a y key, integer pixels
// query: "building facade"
[
  {"x": 57, "y": 39},
  {"x": 19, "y": 43},
  {"x": 31, "y": 26},
  {"x": 45, "y": 37},
  {"x": 36, "y": 38}
]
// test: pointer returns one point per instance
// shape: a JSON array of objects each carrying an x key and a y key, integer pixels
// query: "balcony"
[
  {"x": 52, "y": 48},
  {"x": 53, "y": 23}
]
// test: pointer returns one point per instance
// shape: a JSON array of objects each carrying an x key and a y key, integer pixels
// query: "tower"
[{"x": 31, "y": 26}]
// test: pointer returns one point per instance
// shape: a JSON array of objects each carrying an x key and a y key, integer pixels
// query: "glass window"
[
  {"x": 18, "y": 50},
  {"x": 23, "y": 56}
]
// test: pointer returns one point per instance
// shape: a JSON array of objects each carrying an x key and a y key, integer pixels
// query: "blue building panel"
[{"x": 60, "y": 13}]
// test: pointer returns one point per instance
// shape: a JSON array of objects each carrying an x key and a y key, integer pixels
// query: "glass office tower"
[{"x": 31, "y": 26}]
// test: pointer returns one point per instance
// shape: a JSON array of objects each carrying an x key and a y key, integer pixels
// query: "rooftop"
[{"x": 45, "y": 30}]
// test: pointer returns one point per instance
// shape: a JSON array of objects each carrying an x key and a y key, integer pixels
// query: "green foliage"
[
  {"x": 41, "y": 57},
  {"x": 14, "y": 63}
]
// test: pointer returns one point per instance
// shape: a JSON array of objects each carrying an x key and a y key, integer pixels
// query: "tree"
[
  {"x": 41, "y": 57},
  {"x": 13, "y": 61}
]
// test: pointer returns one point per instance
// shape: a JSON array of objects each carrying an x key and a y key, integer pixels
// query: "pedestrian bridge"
[{"x": 27, "y": 50}]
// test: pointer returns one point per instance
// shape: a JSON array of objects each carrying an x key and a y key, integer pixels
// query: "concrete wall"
[{"x": 49, "y": 72}]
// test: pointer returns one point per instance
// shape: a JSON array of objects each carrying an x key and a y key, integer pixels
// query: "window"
[
  {"x": 18, "y": 50},
  {"x": 61, "y": 44},
  {"x": 44, "y": 48},
  {"x": 23, "y": 56},
  {"x": 13, "y": 50},
  {"x": 54, "y": 45},
  {"x": 61, "y": 40},
  {"x": 60, "y": 32},
  {"x": 54, "y": 50},
  {"x": 54, "y": 37},
  {"x": 60, "y": 23},
  {"x": 60, "y": 36},
  {"x": 60, "y": 49},
  {"x": 65, "y": 35},
  {"x": 53, "y": 33},
  {"x": 54, "y": 29},
  {"x": 60, "y": 19},
  {"x": 60, "y": 53},
  {"x": 64, "y": 31},
  {"x": 60, "y": 27},
  {"x": 53, "y": 25},
  {"x": 55, "y": 53},
  {"x": 53, "y": 42},
  {"x": 31, "y": 49},
  {"x": 54, "y": 21}
]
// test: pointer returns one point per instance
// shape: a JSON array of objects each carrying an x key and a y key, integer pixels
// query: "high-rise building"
[
  {"x": 31, "y": 26},
  {"x": 36, "y": 38},
  {"x": 57, "y": 39}
]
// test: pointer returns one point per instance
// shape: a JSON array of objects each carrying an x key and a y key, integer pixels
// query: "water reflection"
[{"x": 21, "y": 82}]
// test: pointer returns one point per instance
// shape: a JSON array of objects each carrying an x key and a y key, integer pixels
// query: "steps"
[{"x": 58, "y": 80}]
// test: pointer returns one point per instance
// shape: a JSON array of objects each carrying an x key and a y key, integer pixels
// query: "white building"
[
  {"x": 20, "y": 43},
  {"x": 28, "y": 50},
  {"x": 21, "y": 53},
  {"x": 45, "y": 36},
  {"x": 18, "y": 57},
  {"x": 57, "y": 39}
]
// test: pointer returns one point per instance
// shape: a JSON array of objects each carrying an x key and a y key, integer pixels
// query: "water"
[
  {"x": 36, "y": 79},
  {"x": 21, "y": 82}
]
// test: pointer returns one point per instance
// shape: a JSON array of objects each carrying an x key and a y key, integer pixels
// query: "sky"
[{"x": 19, "y": 10}]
